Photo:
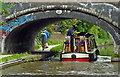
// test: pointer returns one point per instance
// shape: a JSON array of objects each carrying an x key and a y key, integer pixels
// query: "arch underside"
[{"x": 21, "y": 39}]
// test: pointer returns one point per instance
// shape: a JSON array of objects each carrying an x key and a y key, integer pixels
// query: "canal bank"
[{"x": 36, "y": 56}]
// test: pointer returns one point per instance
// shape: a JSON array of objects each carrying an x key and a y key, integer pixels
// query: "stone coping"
[{"x": 59, "y": 1}]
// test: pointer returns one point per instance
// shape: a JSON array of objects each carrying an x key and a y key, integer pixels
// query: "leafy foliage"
[
  {"x": 4, "y": 10},
  {"x": 65, "y": 25},
  {"x": 5, "y": 7},
  {"x": 79, "y": 26},
  {"x": 82, "y": 26}
]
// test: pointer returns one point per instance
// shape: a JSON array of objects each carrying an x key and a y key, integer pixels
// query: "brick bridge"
[{"x": 27, "y": 18}]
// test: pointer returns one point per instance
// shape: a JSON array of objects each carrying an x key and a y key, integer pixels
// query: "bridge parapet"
[
  {"x": 62, "y": 1},
  {"x": 108, "y": 9}
]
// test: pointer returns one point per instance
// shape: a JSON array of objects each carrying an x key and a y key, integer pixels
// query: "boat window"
[
  {"x": 80, "y": 44},
  {"x": 91, "y": 43},
  {"x": 67, "y": 45}
]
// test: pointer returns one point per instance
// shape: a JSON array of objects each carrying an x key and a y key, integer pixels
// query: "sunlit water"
[{"x": 56, "y": 67}]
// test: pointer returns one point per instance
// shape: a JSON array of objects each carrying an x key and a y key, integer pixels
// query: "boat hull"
[
  {"x": 82, "y": 57},
  {"x": 81, "y": 60}
]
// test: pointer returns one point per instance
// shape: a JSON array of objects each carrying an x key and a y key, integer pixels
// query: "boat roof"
[{"x": 86, "y": 34}]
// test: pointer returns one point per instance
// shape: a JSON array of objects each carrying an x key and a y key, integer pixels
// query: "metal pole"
[{"x": 2, "y": 46}]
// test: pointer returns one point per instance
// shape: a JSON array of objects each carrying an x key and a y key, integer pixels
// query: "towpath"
[{"x": 47, "y": 49}]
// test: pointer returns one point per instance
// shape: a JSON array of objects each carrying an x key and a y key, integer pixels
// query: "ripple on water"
[{"x": 62, "y": 68}]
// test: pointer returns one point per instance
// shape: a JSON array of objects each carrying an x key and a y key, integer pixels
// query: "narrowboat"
[{"x": 84, "y": 48}]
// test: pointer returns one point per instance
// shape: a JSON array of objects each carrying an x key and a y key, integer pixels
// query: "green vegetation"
[
  {"x": 37, "y": 46},
  {"x": 103, "y": 41},
  {"x": 106, "y": 51},
  {"x": 82, "y": 26},
  {"x": 115, "y": 55},
  {"x": 79, "y": 26},
  {"x": 14, "y": 56},
  {"x": 54, "y": 42},
  {"x": 3, "y": 53},
  {"x": 57, "y": 48},
  {"x": 4, "y": 10},
  {"x": 32, "y": 58}
]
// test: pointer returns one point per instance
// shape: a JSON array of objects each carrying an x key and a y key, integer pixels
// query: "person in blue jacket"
[
  {"x": 70, "y": 33},
  {"x": 47, "y": 33}
]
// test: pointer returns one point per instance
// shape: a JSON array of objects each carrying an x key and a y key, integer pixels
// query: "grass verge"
[
  {"x": 54, "y": 42},
  {"x": 57, "y": 48},
  {"x": 14, "y": 56}
]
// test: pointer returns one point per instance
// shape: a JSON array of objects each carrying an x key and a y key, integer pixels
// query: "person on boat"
[
  {"x": 47, "y": 33},
  {"x": 71, "y": 34},
  {"x": 43, "y": 37},
  {"x": 70, "y": 31}
]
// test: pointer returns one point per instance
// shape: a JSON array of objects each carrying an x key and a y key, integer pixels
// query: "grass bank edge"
[{"x": 14, "y": 56}]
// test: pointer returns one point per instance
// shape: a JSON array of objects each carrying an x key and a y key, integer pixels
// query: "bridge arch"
[{"x": 21, "y": 38}]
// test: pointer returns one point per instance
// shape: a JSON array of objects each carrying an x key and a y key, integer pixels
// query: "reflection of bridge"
[{"x": 27, "y": 19}]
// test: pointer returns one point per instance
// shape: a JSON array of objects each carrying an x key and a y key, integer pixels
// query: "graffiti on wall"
[{"x": 10, "y": 26}]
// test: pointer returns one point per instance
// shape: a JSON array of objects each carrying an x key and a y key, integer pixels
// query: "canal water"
[{"x": 56, "y": 67}]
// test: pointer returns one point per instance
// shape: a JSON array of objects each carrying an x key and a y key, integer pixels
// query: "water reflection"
[{"x": 63, "y": 68}]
